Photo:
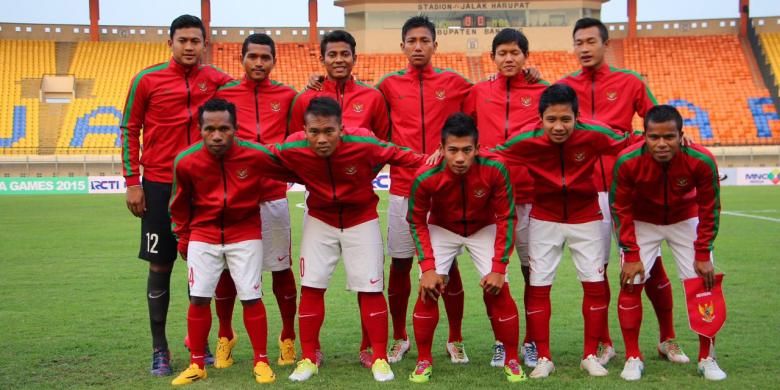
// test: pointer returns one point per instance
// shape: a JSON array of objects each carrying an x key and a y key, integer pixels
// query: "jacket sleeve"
[
  {"x": 708, "y": 199},
  {"x": 644, "y": 100},
  {"x": 470, "y": 104},
  {"x": 463, "y": 87},
  {"x": 271, "y": 165},
  {"x": 130, "y": 127},
  {"x": 511, "y": 151},
  {"x": 611, "y": 143},
  {"x": 398, "y": 156},
  {"x": 506, "y": 217},
  {"x": 180, "y": 207},
  {"x": 297, "y": 110},
  {"x": 380, "y": 119},
  {"x": 417, "y": 216},
  {"x": 621, "y": 208}
]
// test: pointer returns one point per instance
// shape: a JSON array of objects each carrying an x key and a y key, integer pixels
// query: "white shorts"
[
  {"x": 447, "y": 245},
  {"x": 275, "y": 216},
  {"x": 361, "y": 247},
  {"x": 679, "y": 237},
  {"x": 521, "y": 233},
  {"x": 546, "y": 240},
  {"x": 606, "y": 224},
  {"x": 399, "y": 237},
  {"x": 205, "y": 263}
]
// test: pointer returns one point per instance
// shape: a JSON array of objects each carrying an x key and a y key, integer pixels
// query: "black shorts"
[{"x": 157, "y": 242}]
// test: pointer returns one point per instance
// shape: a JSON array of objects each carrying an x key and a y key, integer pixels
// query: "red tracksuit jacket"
[
  {"x": 662, "y": 194},
  {"x": 361, "y": 106},
  {"x": 216, "y": 200},
  {"x": 420, "y": 101},
  {"x": 163, "y": 101},
  {"x": 262, "y": 110},
  {"x": 563, "y": 173},
  {"x": 502, "y": 107},
  {"x": 340, "y": 187},
  {"x": 463, "y": 204},
  {"x": 611, "y": 96}
]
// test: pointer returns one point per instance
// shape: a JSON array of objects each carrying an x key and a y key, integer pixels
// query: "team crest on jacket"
[
  {"x": 441, "y": 94},
  {"x": 357, "y": 107},
  {"x": 479, "y": 192},
  {"x": 242, "y": 173},
  {"x": 203, "y": 87},
  {"x": 612, "y": 95},
  {"x": 276, "y": 106},
  {"x": 579, "y": 156},
  {"x": 526, "y": 101},
  {"x": 682, "y": 182},
  {"x": 707, "y": 311},
  {"x": 350, "y": 170}
]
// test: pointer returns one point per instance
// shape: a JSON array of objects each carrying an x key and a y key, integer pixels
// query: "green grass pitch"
[{"x": 73, "y": 308}]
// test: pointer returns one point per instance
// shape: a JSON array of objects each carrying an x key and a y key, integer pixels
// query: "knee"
[
  {"x": 161, "y": 268},
  {"x": 200, "y": 301},
  {"x": 250, "y": 302}
]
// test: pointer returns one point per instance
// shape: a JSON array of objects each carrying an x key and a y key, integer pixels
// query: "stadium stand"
[
  {"x": 19, "y": 113},
  {"x": 770, "y": 42},
  {"x": 91, "y": 124},
  {"x": 708, "y": 79}
]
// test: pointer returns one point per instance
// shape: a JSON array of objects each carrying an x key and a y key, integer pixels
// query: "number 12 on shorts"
[{"x": 151, "y": 242}]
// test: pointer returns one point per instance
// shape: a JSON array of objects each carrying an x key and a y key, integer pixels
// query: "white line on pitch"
[
  {"x": 737, "y": 214},
  {"x": 755, "y": 211}
]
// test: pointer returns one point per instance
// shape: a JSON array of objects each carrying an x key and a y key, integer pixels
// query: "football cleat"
[
  {"x": 263, "y": 373},
  {"x": 530, "y": 355},
  {"x": 381, "y": 370},
  {"x": 514, "y": 373},
  {"x": 286, "y": 352},
  {"x": 544, "y": 367},
  {"x": 365, "y": 357},
  {"x": 593, "y": 367},
  {"x": 709, "y": 369},
  {"x": 161, "y": 362},
  {"x": 457, "y": 352},
  {"x": 605, "y": 354},
  {"x": 192, "y": 374},
  {"x": 499, "y": 355},
  {"x": 671, "y": 351},
  {"x": 422, "y": 372},
  {"x": 303, "y": 371},
  {"x": 224, "y": 357},
  {"x": 398, "y": 349},
  {"x": 632, "y": 370}
]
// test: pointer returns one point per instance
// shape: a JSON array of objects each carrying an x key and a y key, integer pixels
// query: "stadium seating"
[
  {"x": 19, "y": 116},
  {"x": 770, "y": 43},
  {"x": 91, "y": 125},
  {"x": 709, "y": 80}
]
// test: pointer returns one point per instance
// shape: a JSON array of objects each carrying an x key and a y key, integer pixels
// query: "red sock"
[
  {"x": 424, "y": 320},
  {"x": 364, "y": 340},
  {"x": 594, "y": 312},
  {"x": 286, "y": 295},
  {"x": 398, "y": 289},
  {"x": 706, "y": 347},
  {"x": 659, "y": 291},
  {"x": 198, "y": 326},
  {"x": 224, "y": 300},
  {"x": 373, "y": 313},
  {"x": 630, "y": 318},
  {"x": 311, "y": 314},
  {"x": 505, "y": 321},
  {"x": 526, "y": 272},
  {"x": 453, "y": 304},
  {"x": 256, "y": 324},
  {"x": 537, "y": 316},
  {"x": 605, "y": 338}
]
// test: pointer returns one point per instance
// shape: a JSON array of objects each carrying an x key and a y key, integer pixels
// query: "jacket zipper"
[
  {"x": 463, "y": 196},
  {"x": 564, "y": 190},
  {"x": 506, "y": 122},
  {"x": 189, "y": 109},
  {"x": 224, "y": 202},
  {"x": 333, "y": 189},
  {"x": 257, "y": 115},
  {"x": 666, "y": 194},
  {"x": 422, "y": 112}
]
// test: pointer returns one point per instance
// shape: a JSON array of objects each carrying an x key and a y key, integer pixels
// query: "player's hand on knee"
[
  {"x": 706, "y": 271},
  {"x": 629, "y": 272},
  {"x": 136, "y": 202},
  {"x": 431, "y": 285},
  {"x": 492, "y": 283}
]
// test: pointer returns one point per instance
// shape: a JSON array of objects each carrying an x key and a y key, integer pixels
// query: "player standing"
[
  {"x": 502, "y": 106},
  {"x": 561, "y": 156},
  {"x": 162, "y": 101},
  {"x": 612, "y": 96},
  {"x": 465, "y": 201},
  {"x": 664, "y": 191},
  {"x": 262, "y": 107},
  {"x": 420, "y": 98}
]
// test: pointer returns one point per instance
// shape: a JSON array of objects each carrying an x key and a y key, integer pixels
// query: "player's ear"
[
  {"x": 476, "y": 151},
  {"x": 322, "y": 59}
]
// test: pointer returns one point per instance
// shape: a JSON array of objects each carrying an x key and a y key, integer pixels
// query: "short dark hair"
[
  {"x": 323, "y": 106},
  {"x": 337, "y": 36},
  {"x": 418, "y": 21},
  {"x": 258, "y": 39},
  {"x": 558, "y": 94},
  {"x": 459, "y": 125},
  {"x": 187, "y": 21},
  {"x": 218, "y": 105},
  {"x": 509, "y": 35},
  {"x": 591, "y": 22},
  {"x": 664, "y": 113}
]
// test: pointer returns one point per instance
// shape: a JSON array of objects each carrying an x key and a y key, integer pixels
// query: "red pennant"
[{"x": 706, "y": 309}]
